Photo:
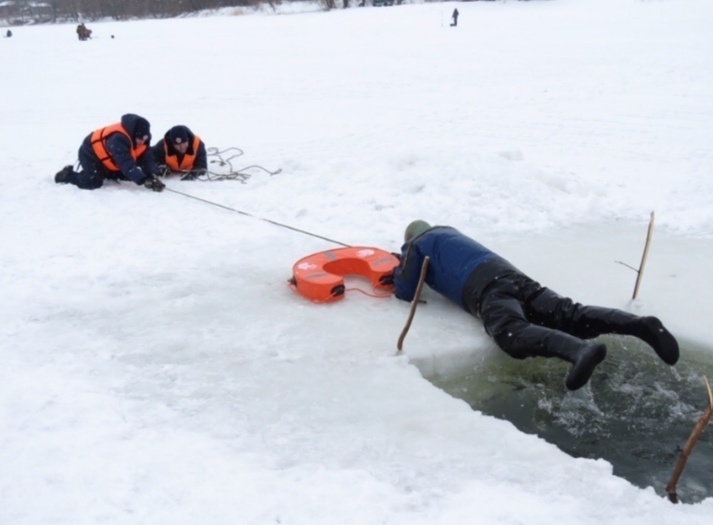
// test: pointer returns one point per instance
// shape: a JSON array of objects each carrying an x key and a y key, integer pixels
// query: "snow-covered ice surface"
[{"x": 156, "y": 367}]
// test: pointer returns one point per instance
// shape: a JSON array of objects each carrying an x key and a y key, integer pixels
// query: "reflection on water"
[{"x": 637, "y": 413}]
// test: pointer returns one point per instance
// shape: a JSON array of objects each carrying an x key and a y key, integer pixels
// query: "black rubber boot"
[
  {"x": 584, "y": 356},
  {"x": 649, "y": 329},
  {"x": 586, "y": 361},
  {"x": 538, "y": 341},
  {"x": 65, "y": 176},
  {"x": 587, "y": 322},
  {"x": 653, "y": 332}
]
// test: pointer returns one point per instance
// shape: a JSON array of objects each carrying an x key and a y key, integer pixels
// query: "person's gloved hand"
[
  {"x": 387, "y": 280},
  {"x": 193, "y": 174},
  {"x": 153, "y": 183}
]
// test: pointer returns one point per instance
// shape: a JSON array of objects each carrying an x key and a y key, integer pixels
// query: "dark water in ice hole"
[{"x": 637, "y": 413}]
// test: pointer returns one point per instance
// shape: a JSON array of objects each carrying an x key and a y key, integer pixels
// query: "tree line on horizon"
[
  {"x": 18, "y": 12},
  {"x": 28, "y": 11}
]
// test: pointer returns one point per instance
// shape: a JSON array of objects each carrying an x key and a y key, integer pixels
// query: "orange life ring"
[{"x": 320, "y": 277}]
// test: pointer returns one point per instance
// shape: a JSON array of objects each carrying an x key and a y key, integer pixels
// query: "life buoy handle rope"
[{"x": 375, "y": 294}]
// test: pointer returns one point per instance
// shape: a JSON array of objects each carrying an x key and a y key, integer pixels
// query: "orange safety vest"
[
  {"x": 188, "y": 159},
  {"x": 98, "y": 141}
]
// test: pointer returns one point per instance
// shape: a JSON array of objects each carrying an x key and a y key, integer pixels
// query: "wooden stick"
[
  {"x": 414, "y": 303},
  {"x": 688, "y": 447},
  {"x": 644, "y": 256}
]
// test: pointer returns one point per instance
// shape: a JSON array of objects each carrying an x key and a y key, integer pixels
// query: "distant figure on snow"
[
  {"x": 8, "y": 34},
  {"x": 83, "y": 33},
  {"x": 119, "y": 151},
  {"x": 180, "y": 151},
  {"x": 454, "y": 16},
  {"x": 524, "y": 318}
]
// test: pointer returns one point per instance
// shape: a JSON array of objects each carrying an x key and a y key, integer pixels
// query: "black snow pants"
[
  {"x": 93, "y": 172},
  {"x": 526, "y": 319}
]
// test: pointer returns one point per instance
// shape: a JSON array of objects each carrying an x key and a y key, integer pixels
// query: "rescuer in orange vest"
[
  {"x": 119, "y": 151},
  {"x": 180, "y": 151}
]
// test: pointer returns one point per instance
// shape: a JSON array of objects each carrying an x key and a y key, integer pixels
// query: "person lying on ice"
[
  {"x": 117, "y": 151},
  {"x": 180, "y": 151},
  {"x": 524, "y": 318}
]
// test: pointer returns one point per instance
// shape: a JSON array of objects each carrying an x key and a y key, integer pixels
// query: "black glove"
[
  {"x": 193, "y": 174},
  {"x": 163, "y": 171},
  {"x": 387, "y": 280},
  {"x": 153, "y": 183}
]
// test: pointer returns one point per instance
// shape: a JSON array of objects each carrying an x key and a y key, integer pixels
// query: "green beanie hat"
[{"x": 415, "y": 229}]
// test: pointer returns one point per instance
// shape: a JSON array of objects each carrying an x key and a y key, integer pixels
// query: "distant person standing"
[
  {"x": 8, "y": 34},
  {"x": 454, "y": 16},
  {"x": 83, "y": 33}
]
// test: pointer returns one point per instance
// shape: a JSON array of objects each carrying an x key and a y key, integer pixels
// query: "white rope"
[{"x": 222, "y": 158}]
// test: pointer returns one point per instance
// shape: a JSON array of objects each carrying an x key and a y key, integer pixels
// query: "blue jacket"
[{"x": 453, "y": 258}]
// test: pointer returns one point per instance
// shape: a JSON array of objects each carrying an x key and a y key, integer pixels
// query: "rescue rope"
[
  {"x": 377, "y": 295},
  {"x": 282, "y": 225},
  {"x": 233, "y": 174},
  {"x": 293, "y": 287},
  {"x": 217, "y": 156}
]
